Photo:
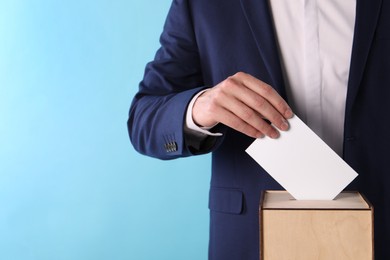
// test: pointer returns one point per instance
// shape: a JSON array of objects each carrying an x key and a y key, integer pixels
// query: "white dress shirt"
[{"x": 315, "y": 44}]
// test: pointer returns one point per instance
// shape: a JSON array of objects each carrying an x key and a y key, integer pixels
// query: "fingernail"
[
  {"x": 274, "y": 135},
  {"x": 289, "y": 113},
  {"x": 284, "y": 126}
]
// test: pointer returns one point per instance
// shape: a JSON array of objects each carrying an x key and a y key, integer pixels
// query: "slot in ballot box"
[{"x": 306, "y": 230}]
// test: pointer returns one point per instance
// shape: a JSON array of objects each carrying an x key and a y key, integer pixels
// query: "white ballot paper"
[{"x": 302, "y": 163}]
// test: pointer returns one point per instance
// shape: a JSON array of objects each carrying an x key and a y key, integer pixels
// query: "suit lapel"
[
  {"x": 367, "y": 13},
  {"x": 258, "y": 16}
]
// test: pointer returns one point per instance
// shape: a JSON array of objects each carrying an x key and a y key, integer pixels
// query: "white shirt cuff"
[{"x": 190, "y": 124}]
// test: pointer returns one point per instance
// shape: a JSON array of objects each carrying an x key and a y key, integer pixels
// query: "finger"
[
  {"x": 212, "y": 107},
  {"x": 233, "y": 121},
  {"x": 250, "y": 116},
  {"x": 261, "y": 106},
  {"x": 269, "y": 93},
  {"x": 230, "y": 119}
]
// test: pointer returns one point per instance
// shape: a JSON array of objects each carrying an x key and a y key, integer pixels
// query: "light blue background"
[{"x": 71, "y": 185}]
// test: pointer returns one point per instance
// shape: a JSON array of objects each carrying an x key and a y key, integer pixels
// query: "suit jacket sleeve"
[{"x": 157, "y": 113}]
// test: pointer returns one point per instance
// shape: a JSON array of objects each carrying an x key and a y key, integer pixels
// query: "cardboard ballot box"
[{"x": 309, "y": 230}]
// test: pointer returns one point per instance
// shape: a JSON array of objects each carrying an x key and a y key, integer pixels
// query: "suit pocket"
[{"x": 226, "y": 200}]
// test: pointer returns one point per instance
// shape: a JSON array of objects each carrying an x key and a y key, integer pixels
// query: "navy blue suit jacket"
[{"x": 204, "y": 42}]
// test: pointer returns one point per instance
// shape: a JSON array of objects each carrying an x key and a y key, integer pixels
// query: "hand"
[{"x": 243, "y": 102}]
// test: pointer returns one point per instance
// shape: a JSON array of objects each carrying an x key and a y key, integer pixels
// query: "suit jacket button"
[
  {"x": 174, "y": 146},
  {"x": 170, "y": 147}
]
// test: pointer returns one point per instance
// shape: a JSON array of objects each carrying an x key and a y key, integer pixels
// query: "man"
[{"x": 226, "y": 68}]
